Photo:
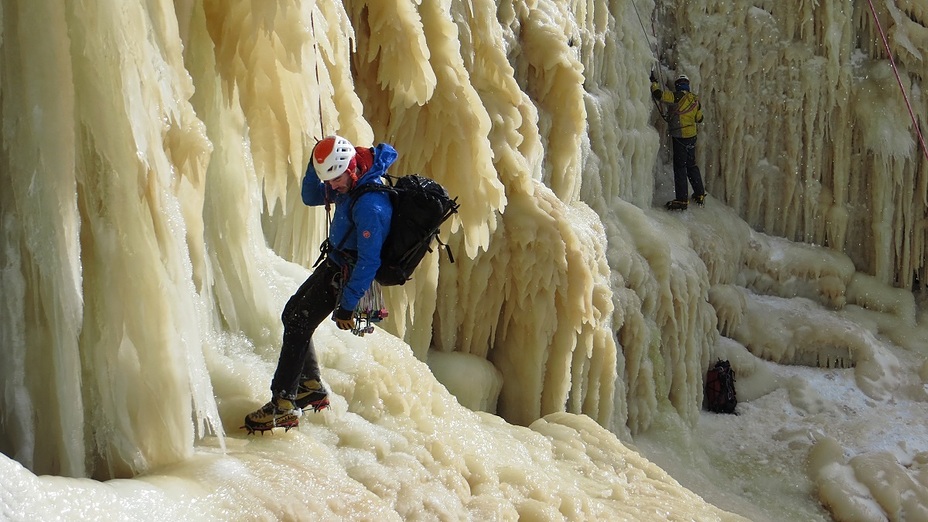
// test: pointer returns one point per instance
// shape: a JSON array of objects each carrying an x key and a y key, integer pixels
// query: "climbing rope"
[
  {"x": 905, "y": 96},
  {"x": 312, "y": 25},
  {"x": 648, "y": 38},
  {"x": 660, "y": 72}
]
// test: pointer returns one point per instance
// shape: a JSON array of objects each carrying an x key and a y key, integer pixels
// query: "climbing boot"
[
  {"x": 699, "y": 199},
  {"x": 278, "y": 413},
  {"x": 676, "y": 204},
  {"x": 312, "y": 394}
]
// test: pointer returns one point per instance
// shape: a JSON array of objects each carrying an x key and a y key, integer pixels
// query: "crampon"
[
  {"x": 262, "y": 429},
  {"x": 319, "y": 405}
]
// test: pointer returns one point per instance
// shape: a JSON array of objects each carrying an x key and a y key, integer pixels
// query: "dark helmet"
[{"x": 682, "y": 82}]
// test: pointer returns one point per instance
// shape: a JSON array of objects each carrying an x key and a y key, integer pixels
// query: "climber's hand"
[{"x": 344, "y": 319}]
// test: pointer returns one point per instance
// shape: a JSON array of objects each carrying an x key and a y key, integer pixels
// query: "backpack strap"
[{"x": 355, "y": 194}]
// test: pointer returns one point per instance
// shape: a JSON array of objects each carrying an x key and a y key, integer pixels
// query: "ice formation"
[
  {"x": 815, "y": 142},
  {"x": 152, "y": 230}
]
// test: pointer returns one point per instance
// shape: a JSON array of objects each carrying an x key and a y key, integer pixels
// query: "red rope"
[{"x": 905, "y": 96}]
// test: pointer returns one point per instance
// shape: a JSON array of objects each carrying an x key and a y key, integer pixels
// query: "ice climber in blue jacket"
[{"x": 352, "y": 256}]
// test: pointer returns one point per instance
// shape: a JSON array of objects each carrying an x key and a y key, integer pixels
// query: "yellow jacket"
[{"x": 683, "y": 111}]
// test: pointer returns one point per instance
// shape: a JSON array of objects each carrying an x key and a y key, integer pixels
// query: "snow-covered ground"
[{"x": 761, "y": 463}]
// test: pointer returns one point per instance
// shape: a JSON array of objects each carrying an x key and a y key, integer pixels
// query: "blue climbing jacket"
[{"x": 359, "y": 228}]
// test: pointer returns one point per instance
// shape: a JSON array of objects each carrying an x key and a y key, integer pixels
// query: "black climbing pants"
[
  {"x": 307, "y": 308},
  {"x": 684, "y": 168}
]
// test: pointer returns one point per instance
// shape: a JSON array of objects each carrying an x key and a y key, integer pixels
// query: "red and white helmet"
[{"x": 332, "y": 157}]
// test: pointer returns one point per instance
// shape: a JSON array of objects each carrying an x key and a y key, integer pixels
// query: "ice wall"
[
  {"x": 807, "y": 133},
  {"x": 182, "y": 131},
  {"x": 514, "y": 79},
  {"x": 41, "y": 247},
  {"x": 139, "y": 244},
  {"x": 105, "y": 322}
]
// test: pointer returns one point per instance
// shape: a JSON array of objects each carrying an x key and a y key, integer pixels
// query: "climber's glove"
[{"x": 344, "y": 319}]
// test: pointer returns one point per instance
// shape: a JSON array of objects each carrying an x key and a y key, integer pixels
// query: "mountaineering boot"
[
  {"x": 676, "y": 204},
  {"x": 278, "y": 413},
  {"x": 699, "y": 199},
  {"x": 312, "y": 394}
]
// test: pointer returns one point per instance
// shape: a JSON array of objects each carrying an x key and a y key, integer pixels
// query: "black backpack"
[
  {"x": 420, "y": 206},
  {"x": 720, "y": 388}
]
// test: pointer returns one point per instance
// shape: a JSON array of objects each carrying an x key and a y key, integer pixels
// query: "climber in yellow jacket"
[{"x": 682, "y": 115}]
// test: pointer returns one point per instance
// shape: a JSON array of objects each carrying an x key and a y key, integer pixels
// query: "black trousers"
[
  {"x": 307, "y": 308},
  {"x": 684, "y": 168}
]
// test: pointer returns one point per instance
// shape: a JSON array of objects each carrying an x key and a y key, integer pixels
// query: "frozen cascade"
[{"x": 152, "y": 231}]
